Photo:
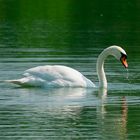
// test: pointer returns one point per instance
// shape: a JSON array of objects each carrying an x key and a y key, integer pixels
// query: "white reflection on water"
[{"x": 112, "y": 125}]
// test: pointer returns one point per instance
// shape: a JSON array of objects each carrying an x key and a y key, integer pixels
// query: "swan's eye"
[
  {"x": 123, "y": 55},
  {"x": 123, "y": 60}
]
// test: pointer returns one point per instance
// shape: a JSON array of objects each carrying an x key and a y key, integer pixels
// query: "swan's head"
[{"x": 119, "y": 54}]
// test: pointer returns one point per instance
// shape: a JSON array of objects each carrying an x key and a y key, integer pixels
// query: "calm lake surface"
[{"x": 62, "y": 33}]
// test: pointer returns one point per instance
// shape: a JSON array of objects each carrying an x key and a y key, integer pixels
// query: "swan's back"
[{"x": 54, "y": 76}]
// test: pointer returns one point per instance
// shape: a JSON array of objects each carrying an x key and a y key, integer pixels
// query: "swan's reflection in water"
[
  {"x": 75, "y": 112},
  {"x": 112, "y": 123}
]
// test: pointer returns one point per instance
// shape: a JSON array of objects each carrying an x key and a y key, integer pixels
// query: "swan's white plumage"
[
  {"x": 53, "y": 76},
  {"x": 62, "y": 76}
]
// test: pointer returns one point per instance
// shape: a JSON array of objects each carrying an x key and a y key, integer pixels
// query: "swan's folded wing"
[
  {"x": 43, "y": 72},
  {"x": 52, "y": 73},
  {"x": 58, "y": 76}
]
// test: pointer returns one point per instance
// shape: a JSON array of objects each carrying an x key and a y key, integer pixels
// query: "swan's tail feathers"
[
  {"x": 17, "y": 82},
  {"x": 24, "y": 82}
]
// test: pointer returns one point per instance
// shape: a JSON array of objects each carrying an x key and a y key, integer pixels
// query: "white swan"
[{"x": 62, "y": 76}]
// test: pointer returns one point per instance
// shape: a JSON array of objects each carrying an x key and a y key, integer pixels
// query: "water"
[{"x": 33, "y": 36}]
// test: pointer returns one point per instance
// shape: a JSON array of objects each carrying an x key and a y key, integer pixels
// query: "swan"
[{"x": 63, "y": 76}]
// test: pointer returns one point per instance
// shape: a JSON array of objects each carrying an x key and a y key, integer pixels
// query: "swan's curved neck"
[{"x": 100, "y": 69}]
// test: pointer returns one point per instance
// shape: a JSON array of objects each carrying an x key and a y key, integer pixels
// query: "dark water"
[{"x": 70, "y": 33}]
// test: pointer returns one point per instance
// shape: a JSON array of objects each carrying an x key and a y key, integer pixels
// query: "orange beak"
[{"x": 124, "y": 62}]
